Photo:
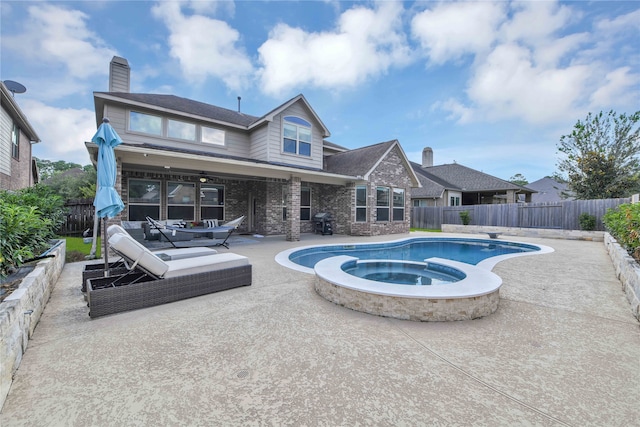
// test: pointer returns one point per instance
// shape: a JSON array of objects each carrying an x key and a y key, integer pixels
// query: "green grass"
[
  {"x": 77, "y": 249},
  {"x": 426, "y": 229}
]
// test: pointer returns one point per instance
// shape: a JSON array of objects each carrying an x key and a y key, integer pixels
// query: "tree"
[
  {"x": 602, "y": 156},
  {"x": 47, "y": 168},
  {"x": 518, "y": 179}
]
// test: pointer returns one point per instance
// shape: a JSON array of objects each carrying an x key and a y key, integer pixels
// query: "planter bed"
[{"x": 104, "y": 298}]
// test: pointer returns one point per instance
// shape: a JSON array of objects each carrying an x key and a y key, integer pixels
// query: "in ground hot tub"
[{"x": 435, "y": 290}]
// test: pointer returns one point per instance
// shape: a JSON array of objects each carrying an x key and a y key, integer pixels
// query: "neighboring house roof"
[
  {"x": 361, "y": 162},
  {"x": 11, "y": 107},
  {"x": 549, "y": 190},
  {"x": 432, "y": 186},
  {"x": 464, "y": 178}
]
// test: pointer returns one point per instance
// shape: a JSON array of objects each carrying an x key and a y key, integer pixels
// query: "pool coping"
[{"x": 282, "y": 258}]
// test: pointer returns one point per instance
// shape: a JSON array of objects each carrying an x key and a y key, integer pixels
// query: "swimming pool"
[
  {"x": 470, "y": 251},
  {"x": 470, "y": 291}
]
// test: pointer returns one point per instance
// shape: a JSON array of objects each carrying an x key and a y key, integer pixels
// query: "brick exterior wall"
[
  {"x": 267, "y": 217},
  {"x": 21, "y": 176}
]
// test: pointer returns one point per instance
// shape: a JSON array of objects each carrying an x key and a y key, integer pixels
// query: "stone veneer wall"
[
  {"x": 20, "y": 313},
  {"x": 627, "y": 270},
  {"x": 417, "y": 309},
  {"x": 549, "y": 233}
]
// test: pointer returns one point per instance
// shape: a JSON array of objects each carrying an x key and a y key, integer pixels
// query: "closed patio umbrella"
[{"x": 107, "y": 201}]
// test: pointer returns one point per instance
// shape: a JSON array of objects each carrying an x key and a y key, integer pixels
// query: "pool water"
[
  {"x": 404, "y": 273},
  {"x": 417, "y": 249}
]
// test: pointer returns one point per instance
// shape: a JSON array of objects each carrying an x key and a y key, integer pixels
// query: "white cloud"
[
  {"x": 529, "y": 64},
  {"x": 205, "y": 47},
  {"x": 63, "y": 131},
  {"x": 451, "y": 30},
  {"x": 365, "y": 43},
  {"x": 58, "y": 36},
  {"x": 615, "y": 90}
]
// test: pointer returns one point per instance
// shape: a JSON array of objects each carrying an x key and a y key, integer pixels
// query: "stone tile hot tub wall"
[{"x": 21, "y": 311}]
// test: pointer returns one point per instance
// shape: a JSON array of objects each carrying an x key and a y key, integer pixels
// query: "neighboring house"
[
  {"x": 455, "y": 185},
  {"x": 549, "y": 191},
  {"x": 17, "y": 167},
  {"x": 184, "y": 159}
]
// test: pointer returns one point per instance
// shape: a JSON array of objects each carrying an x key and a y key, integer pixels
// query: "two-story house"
[
  {"x": 188, "y": 160},
  {"x": 17, "y": 167}
]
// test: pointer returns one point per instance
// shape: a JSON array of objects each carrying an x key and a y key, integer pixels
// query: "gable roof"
[
  {"x": 174, "y": 103},
  {"x": 432, "y": 186},
  {"x": 298, "y": 98},
  {"x": 361, "y": 162},
  {"x": 463, "y": 178},
  {"x": 11, "y": 107}
]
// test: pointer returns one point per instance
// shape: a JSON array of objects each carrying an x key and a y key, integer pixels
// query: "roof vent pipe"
[{"x": 239, "y": 98}]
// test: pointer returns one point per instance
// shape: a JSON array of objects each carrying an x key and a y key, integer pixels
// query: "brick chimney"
[
  {"x": 427, "y": 157},
  {"x": 119, "y": 75}
]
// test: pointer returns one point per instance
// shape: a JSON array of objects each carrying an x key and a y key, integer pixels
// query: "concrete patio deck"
[{"x": 562, "y": 349}]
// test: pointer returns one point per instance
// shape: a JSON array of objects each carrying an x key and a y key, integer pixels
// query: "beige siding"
[
  {"x": 237, "y": 143},
  {"x": 259, "y": 143},
  {"x": 275, "y": 139},
  {"x": 6, "y": 124}
]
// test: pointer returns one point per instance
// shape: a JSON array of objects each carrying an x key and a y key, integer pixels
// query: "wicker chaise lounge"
[
  {"x": 94, "y": 271},
  {"x": 151, "y": 281}
]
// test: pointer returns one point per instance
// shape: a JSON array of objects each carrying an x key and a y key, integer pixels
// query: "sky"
[{"x": 490, "y": 85}]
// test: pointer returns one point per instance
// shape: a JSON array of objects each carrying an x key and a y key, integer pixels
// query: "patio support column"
[{"x": 292, "y": 226}]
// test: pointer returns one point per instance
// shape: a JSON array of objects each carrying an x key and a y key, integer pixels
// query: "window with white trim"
[
  {"x": 144, "y": 199},
  {"x": 361, "y": 203},
  {"x": 178, "y": 129},
  {"x": 382, "y": 204},
  {"x": 296, "y": 136},
  {"x": 145, "y": 123},
  {"x": 15, "y": 141},
  {"x": 211, "y": 135},
  {"x": 398, "y": 204}
]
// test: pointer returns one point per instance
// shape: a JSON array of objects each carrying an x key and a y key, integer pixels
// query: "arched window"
[{"x": 296, "y": 136}]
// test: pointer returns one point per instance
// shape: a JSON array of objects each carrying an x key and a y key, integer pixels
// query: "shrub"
[
  {"x": 587, "y": 222},
  {"x": 28, "y": 220},
  {"x": 465, "y": 217},
  {"x": 623, "y": 223}
]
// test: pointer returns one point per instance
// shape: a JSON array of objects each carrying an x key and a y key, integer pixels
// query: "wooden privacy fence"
[
  {"x": 560, "y": 215},
  {"x": 79, "y": 217}
]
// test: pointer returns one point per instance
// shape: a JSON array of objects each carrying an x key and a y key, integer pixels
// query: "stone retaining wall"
[
  {"x": 627, "y": 270},
  {"x": 549, "y": 233},
  {"x": 21, "y": 311}
]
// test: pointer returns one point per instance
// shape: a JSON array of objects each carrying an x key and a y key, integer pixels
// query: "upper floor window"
[
  {"x": 145, "y": 123},
  {"x": 212, "y": 136},
  {"x": 296, "y": 136},
  {"x": 174, "y": 129},
  {"x": 15, "y": 141},
  {"x": 181, "y": 130}
]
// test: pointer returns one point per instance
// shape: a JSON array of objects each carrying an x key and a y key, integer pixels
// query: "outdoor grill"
[{"x": 322, "y": 223}]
